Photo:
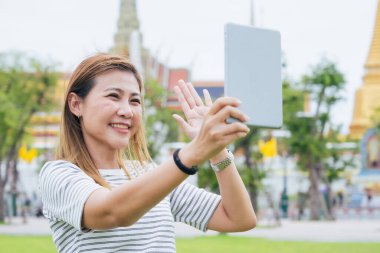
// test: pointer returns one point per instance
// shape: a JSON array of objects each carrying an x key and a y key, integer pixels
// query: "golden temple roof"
[
  {"x": 367, "y": 96},
  {"x": 373, "y": 60}
]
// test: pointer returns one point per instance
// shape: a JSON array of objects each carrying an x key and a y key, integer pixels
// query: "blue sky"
[{"x": 189, "y": 33}]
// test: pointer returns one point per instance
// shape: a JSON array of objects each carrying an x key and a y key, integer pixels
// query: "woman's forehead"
[{"x": 117, "y": 80}]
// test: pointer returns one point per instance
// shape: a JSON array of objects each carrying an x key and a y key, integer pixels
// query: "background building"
[{"x": 367, "y": 97}]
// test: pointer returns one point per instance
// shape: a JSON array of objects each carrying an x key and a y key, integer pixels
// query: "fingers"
[
  {"x": 233, "y": 132},
  {"x": 183, "y": 102},
  {"x": 235, "y": 128},
  {"x": 222, "y": 135},
  {"x": 182, "y": 123},
  {"x": 194, "y": 93},
  {"x": 220, "y": 103},
  {"x": 187, "y": 94},
  {"x": 208, "y": 100},
  {"x": 221, "y": 131},
  {"x": 228, "y": 139},
  {"x": 229, "y": 111}
]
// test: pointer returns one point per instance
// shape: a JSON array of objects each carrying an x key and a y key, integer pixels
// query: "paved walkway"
[{"x": 338, "y": 231}]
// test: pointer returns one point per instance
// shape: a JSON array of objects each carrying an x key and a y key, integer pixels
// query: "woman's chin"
[{"x": 120, "y": 144}]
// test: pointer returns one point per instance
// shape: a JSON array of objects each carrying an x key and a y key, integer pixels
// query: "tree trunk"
[
  {"x": 11, "y": 165},
  {"x": 3, "y": 183},
  {"x": 2, "y": 202},
  {"x": 14, "y": 188},
  {"x": 314, "y": 194},
  {"x": 329, "y": 204},
  {"x": 276, "y": 212},
  {"x": 253, "y": 195},
  {"x": 252, "y": 189}
]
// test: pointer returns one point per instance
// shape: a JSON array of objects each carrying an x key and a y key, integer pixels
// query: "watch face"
[{"x": 223, "y": 164}]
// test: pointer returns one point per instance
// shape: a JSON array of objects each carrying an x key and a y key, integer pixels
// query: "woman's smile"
[{"x": 121, "y": 127}]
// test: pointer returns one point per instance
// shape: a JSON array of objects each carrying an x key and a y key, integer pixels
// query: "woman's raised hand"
[
  {"x": 192, "y": 106},
  {"x": 215, "y": 133}
]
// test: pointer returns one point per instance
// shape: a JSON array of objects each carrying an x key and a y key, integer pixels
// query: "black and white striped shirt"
[{"x": 65, "y": 189}]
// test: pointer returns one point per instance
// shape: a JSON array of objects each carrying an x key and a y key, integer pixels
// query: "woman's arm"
[
  {"x": 124, "y": 205},
  {"x": 235, "y": 211}
]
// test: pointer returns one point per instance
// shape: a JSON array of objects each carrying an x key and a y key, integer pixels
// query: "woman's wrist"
[
  {"x": 188, "y": 156},
  {"x": 223, "y": 164},
  {"x": 219, "y": 157},
  {"x": 184, "y": 168}
]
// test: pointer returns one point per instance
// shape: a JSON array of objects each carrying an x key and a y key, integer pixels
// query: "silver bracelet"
[{"x": 217, "y": 167}]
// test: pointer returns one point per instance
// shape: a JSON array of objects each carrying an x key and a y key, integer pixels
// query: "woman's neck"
[
  {"x": 103, "y": 157},
  {"x": 106, "y": 163}
]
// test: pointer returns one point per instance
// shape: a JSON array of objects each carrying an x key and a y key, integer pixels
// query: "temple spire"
[
  {"x": 367, "y": 97},
  {"x": 126, "y": 25},
  {"x": 373, "y": 60}
]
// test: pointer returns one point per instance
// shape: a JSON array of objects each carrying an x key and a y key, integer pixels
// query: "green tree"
[
  {"x": 293, "y": 102},
  {"x": 251, "y": 171},
  {"x": 160, "y": 124},
  {"x": 312, "y": 131},
  {"x": 26, "y": 87}
]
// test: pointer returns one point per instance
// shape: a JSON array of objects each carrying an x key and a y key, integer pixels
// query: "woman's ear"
[{"x": 74, "y": 102}]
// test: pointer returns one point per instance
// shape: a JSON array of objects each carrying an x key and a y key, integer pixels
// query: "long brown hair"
[{"x": 72, "y": 147}]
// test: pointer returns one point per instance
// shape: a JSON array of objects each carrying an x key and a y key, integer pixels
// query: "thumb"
[{"x": 182, "y": 123}]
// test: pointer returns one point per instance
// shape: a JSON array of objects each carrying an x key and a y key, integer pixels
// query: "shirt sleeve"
[
  {"x": 193, "y": 206},
  {"x": 64, "y": 190}
]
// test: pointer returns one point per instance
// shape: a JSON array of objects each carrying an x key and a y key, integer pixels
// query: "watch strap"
[{"x": 219, "y": 166}]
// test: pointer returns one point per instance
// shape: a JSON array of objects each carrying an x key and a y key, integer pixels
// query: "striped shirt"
[{"x": 65, "y": 188}]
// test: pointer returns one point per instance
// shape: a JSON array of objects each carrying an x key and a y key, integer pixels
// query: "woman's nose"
[{"x": 125, "y": 110}]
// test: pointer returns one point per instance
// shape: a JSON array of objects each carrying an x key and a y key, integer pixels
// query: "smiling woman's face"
[{"x": 112, "y": 112}]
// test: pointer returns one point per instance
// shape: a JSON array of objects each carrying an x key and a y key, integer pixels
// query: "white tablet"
[{"x": 253, "y": 73}]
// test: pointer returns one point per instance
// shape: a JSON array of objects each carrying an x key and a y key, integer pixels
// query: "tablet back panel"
[{"x": 253, "y": 73}]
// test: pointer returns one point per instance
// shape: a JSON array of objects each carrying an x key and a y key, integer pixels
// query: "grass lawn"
[
  {"x": 258, "y": 245},
  {"x": 209, "y": 244}
]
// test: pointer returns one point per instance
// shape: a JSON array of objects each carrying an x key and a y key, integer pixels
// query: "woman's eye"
[
  {"x": 136, "y": 101},
  {"x": 113, "y": 95}
]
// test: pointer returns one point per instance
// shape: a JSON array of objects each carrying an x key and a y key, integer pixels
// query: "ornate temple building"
[
  {"x": 367, "y": 97},
  {"x": 45, "y": 125}
]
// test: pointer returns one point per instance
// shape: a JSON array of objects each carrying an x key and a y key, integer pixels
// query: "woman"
[{"x": 97, "y": 202}]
